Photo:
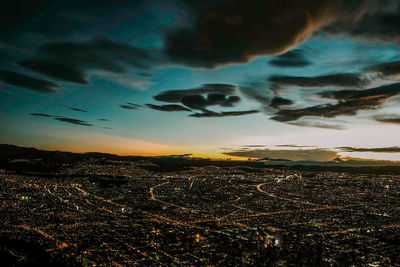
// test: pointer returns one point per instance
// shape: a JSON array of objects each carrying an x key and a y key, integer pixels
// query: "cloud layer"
[{"x": 290, "y": 154}]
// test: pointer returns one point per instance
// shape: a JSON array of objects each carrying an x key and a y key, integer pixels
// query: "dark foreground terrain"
[{"x": 101, "y": 211}]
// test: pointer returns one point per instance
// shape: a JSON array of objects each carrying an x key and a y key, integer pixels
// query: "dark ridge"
[{"x": 23, "y": 160}]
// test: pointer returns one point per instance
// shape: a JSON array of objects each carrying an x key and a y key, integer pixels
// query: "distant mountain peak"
[{"x": 338, "y": 160}]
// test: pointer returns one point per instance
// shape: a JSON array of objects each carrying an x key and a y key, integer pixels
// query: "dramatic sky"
[{"x": 300, "y": 80}]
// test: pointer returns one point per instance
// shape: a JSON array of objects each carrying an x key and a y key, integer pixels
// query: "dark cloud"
[
  {"x": 350, "y": 102},
  {"x": 108, "y": 128},
  {"x": 194, "y": 101},
  {"x": 318, "y": 125},
  {"x": 201, "y": 103},
  {"x": 347, "y": 108},
  {"x": 393, "y": 149},
  {"x": 175, "y": 96},
  {"x": 73, "y": 121},
  {"x": 74, "y": 109},
  {"x": 211, "y": 114},
  {"x": 236, "y": 31},
  {"x": 387, "y": 69},
  {"x": 252, "y": 146},
  {"x": 380, "y": 22},
  {"x": 57, "y": 70},
  {"x": 70, "y": 61},
  {"x": 290, "y": 154},
  {"x": 294, "y": 58},
  {"x": 134, "y": 105},
  {"x": 340, "y": 80},
  {"x": 25, "y": 81},
  {"x": 63, "y": 119},
  {"x": 171, "y": 107},
  {"x": 388, "y": 118},
  {"x": 131, "y": 106},
  {"x": 382, "y": 92},
  {"x": 278, "y": 101},
  {"x": 216, "y": 98},
  {"x": 202, "y": 97},
  {"x": 41, "y": 115},
  {"x": 128, "y": 107},
  {"x": 103, "y": 120},
  {"x": 233, "y": 99},
  {"x": 222, "y": 100}
]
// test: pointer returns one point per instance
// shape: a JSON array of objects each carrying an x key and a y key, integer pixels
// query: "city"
[{"x": 101, "y": 211}]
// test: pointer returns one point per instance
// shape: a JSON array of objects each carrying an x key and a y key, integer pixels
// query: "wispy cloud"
[
  {"x": 25, "y": 81},
  {"x": 168, "y": 108},
  {"x": 41, "y": 115},
  {"x": 74, "y": 109},
  {"x": 211, "y": 114},
  {"x": 131, "y": 106},
  {"x": 73, "y": 121},
  {"x": 74, "y": 61}
]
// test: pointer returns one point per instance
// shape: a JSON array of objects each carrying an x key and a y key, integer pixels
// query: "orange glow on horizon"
[
  {"x": 132, "y": 152},
  {"x": 158, "y": 150}
]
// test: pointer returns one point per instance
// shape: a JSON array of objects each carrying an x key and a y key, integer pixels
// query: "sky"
[{"x": 298, "y": 80}]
